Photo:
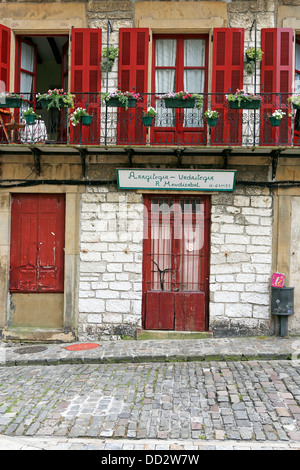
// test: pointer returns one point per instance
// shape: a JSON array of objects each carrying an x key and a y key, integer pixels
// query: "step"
[{"x": 167, "y": 334}]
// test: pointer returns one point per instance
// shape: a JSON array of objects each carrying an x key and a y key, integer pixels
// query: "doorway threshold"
[
  {"x": 37, "y": 335},
  {"x": 167, "y": 334}
]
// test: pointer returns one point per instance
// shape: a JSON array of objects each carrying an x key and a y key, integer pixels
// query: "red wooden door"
[
  {"x": 176, "y": 263},
  {"x": 227, "y": 76},
  {"x": 180, "y": 63},
  {"x": 276, "y": 83},
  {"x": 37, "y": 243},
  {"x": 86, "y": 81}
]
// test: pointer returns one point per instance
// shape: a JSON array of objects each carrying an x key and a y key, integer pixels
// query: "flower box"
[
  {"x": 86, "y": 120},
  {"x": 116, "y": 103},
  {"x": 255, "y": 104},
  {"x": 179, "y": 103},
  {"x": 11, "y": 102},
  {"x": 45, "y": 103}
]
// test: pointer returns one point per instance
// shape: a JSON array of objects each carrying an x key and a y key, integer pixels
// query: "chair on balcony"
[{"x": 8, "y": 124}]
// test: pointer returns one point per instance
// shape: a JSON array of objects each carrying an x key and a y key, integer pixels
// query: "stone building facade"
[{"x": 253, "y": 230}]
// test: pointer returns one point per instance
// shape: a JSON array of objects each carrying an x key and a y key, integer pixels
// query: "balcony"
[{"x": 180, "y": 131}]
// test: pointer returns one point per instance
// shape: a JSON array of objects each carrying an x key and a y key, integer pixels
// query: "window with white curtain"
[
  {"x": 180, "y": 64},
  {"x": 27, "y": 69}
]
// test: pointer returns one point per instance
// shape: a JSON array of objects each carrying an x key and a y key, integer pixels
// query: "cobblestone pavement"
[{"x": 199, "y": 404}]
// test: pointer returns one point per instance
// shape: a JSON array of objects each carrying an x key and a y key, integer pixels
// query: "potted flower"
[
  {"x": 108, "y": 57},
  {"x": 121, "y": 99},
  {"x": 57, "y": 98},
  {"x": 149, "y": 116},
  {"x": 80, "y": 115},
  {"x": 295, "y": 100},
  {"x": 275, "y": 118},
  {"x": 211, "y": 117},
  {"x": 243, "y": 100},
  {"x": 10, "y": 100},
  {"x": 30, "y": 116},
  {"x": 182, "y": 99}
]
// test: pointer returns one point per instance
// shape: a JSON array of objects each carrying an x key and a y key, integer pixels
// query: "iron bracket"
[
  {"x": 275, "y": 155},
  {"x": 37, "y": 159},
  {"x": 83, "y": 154},
  {"x": 226, "y": 153}
]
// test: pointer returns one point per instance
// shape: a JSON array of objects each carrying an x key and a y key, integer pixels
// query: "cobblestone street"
[{"x": 200, "y": 401}]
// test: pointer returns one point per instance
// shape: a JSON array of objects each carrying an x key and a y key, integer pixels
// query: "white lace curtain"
[{"x": 27, "y": 65}]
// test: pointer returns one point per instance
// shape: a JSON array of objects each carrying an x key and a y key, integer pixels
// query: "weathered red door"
[
  {"x": 37, "y": 243},
  {"x": 176, "y": 263}
]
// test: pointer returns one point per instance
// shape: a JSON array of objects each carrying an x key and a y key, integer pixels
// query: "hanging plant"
[
  {"x": 80, "y": 115},
  {"x": 211, "y": 117},
  {"x": 108, "y": 58},
  {"x": 275, "y": 118},
  {"x": 149, "y": 116},
  {"x": 250, "y": 56}
]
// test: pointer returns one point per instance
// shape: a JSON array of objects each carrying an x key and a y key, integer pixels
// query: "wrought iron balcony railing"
[{"x": 115, "y": 126}]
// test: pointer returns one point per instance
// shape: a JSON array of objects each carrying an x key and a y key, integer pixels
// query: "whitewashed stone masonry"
[
  {"x": 241, "y": 257},
  {"x": 111, "y": 242}
]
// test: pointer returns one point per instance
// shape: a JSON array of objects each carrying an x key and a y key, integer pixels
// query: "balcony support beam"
[
  {"x": 130, "y": 153},
  {"x": 179, "y": 154},
  {"x": 83, "y": 154},
  {"x": 226, "y": 153},
  {"x": 275, "y": 154},
  {"x": 37, "y": 159}
]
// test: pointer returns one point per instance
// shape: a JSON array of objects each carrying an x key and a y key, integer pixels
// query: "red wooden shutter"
[
  {"x": 227, "y": 76},
  {"x": 276, "y": 82},
  {"x": 37, "y": 243},
  {"x": 86, "y": 80},
  {"x": 133, "y": 76},
  {"x": 5, "y": 37}
]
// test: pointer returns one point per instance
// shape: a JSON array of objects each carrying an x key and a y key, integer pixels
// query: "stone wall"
[
  {"x": 111, "y": 247},
  {"x": 241, "y": 260},
  {"x": 110, "y": 290}
]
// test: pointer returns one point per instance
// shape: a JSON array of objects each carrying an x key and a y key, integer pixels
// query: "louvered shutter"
[
  {"x": 86, "y": 80},
  {"x": 133, "y": 76},
  {"x": 276, "y": 82},
  {"x": 5, "y": 38},
  {"x": 227, "y": 76}
]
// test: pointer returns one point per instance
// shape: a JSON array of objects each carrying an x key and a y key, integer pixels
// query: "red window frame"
[{"x": 188, "y": 134}]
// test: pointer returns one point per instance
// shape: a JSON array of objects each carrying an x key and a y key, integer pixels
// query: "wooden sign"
[{"x": 177, "y": 180}]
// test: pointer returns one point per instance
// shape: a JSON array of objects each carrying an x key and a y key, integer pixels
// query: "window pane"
[
  {"x": 166, "y": 52},
  {"x": 194, "y": 81},
  {"x": 194, "y": 53}
]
